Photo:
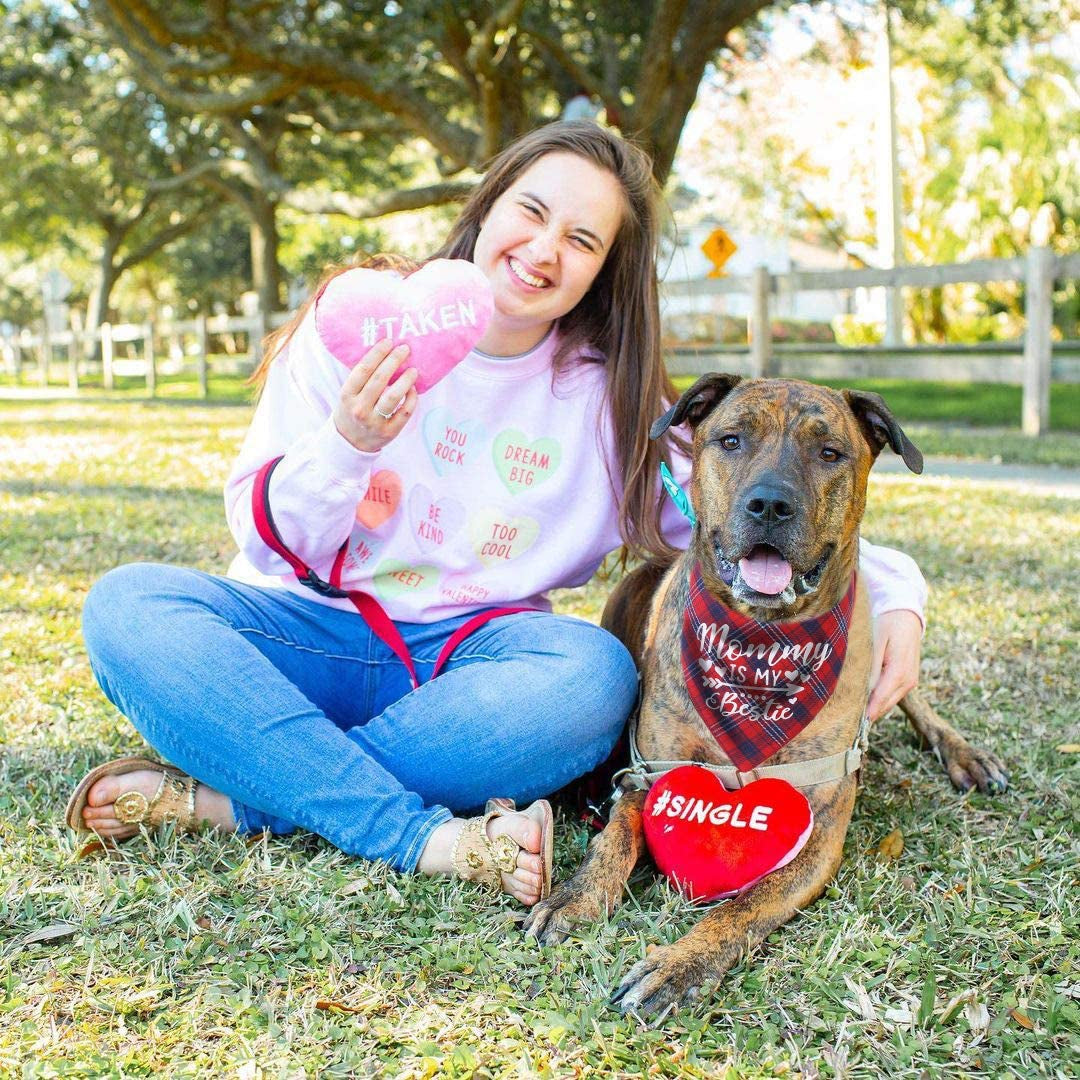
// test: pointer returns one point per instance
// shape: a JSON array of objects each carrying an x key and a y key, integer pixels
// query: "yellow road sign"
[{"x": 719, "y": 247}]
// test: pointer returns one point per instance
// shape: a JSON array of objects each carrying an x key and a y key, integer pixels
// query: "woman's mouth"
[{"x": 519, "y": 271}]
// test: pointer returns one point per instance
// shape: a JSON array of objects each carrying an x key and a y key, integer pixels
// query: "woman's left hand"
[{"x": 895, "y": 668}]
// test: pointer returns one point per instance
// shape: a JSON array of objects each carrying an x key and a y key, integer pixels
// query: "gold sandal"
[
  {"x": 173, "y": 802},
  {"x": 476, "y": 857}
]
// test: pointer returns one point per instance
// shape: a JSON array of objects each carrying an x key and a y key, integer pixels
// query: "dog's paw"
[
  {"x": 668, "y": 977},
  {"x": 570, "y": 904},
  {"x": 969, "y": 767}
]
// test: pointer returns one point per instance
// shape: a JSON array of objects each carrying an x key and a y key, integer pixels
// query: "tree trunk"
[
  {"x": 107, "y": 277},
  {"x": 265, "y": 270}
]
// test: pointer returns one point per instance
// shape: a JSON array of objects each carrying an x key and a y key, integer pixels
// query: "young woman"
[{"x": 516, "y": 474}]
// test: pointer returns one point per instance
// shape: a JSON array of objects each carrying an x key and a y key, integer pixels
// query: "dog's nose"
[{"x": 769, "y": 504}]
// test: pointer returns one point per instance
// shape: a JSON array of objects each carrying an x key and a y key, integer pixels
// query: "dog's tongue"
[{"x": 765, "y": 571}]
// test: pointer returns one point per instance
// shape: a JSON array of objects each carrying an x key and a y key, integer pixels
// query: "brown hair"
[
  {"x": 274, "y": 343},
  {"x": 618, "y": 319}
]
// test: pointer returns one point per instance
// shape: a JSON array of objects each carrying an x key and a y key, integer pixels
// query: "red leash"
[{"x": 372, "y": 612}]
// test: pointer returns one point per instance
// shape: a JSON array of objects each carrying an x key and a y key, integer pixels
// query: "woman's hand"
[
  {"x": 372, "y": 410},
  {"x": 895, "y": 667}
]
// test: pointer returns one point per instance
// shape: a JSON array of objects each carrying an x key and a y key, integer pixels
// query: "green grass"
[
  {"x": 974, "y": 404},
  {"x": 283, "y": 957},
  {"x": 980, "y": 421},
  {"x": 977, "y": 404}
]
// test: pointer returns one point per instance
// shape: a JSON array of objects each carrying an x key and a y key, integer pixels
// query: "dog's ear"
[
  {"x": 880, "y": 427},
  {"x": 696, "y": 403}
]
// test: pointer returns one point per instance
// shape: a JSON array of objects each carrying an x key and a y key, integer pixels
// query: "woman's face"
[{"x": 542, "y": 245}]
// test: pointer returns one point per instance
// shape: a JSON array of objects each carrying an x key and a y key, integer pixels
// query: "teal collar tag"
[{"x": 678, "y": 496}]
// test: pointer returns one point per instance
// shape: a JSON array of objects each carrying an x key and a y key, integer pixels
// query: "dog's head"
[{"x": 779, "y": 485}]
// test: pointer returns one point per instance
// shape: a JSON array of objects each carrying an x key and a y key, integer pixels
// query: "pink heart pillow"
[
  {"x": 441, "y": 311},
  {"x": 711, "y": 842}
]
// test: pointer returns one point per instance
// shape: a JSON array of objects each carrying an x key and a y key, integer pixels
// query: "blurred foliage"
[
  {"x": 83, "y": 150},
  {"x": 183, "y": 153},
  {"x": 988, "y": 116}
]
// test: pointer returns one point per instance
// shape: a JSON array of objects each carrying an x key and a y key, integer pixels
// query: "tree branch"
[
  {"x": 657, "y": 61},
  {"x": 286, "y": 73},
  {"x": 385, "y": 202},
  {"x": 561, "y": 56},
  {"x": 163, "y": 238},
  {"x": 483, "y": 57}
]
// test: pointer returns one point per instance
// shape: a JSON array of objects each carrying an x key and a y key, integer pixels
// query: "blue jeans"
[{"x": 303, "y": 717}]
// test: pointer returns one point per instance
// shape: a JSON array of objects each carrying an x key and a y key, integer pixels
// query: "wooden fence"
[
  {"x": 1032, "y": 362},
  {"x": 143, "y": 350}
]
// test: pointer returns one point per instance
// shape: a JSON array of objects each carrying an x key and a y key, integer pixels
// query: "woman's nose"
[{"x": 542, "y": 246}]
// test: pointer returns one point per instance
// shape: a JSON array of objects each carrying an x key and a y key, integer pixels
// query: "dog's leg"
[
  {"x": 596, "y": 887},
  {"x": 966, "y": 765},
  {"x": 672, "y": 974}
]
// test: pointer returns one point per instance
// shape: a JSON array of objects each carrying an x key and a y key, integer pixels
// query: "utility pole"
[{"x": 889, "y": 239}]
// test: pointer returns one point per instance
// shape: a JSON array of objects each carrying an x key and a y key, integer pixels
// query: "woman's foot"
[
  {"x": 527, "y": 830},
  {"x": 99, "y": 814}
]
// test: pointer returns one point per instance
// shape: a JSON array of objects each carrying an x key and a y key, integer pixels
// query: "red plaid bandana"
[{"x": 757, "y": 685}]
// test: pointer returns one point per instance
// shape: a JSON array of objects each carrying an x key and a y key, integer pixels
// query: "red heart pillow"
[
  {"x": 441, "y": 311},
  {"x": 711, "y": 842}
]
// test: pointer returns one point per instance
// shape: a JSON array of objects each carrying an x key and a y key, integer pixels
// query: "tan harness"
[{"x": 640, "y": 775}]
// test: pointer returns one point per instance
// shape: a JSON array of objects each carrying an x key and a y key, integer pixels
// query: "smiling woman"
[
  {"x": 542, "y": 244},
  {"x": 391, "y": 530}
]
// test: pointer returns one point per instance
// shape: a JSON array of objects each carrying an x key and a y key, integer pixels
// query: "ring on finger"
[{"x": 388, "y": 415}]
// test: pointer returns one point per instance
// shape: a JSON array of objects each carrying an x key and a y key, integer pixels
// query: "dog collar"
[
  {"x": 757, "y": 685},
  {"x": 678, "y": 496}
]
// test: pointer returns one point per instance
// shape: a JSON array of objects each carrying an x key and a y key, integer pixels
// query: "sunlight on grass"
[{"x": 216, "y": 956}]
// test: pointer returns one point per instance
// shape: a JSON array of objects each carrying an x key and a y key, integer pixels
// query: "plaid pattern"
[{"x": 757, "y": 685}]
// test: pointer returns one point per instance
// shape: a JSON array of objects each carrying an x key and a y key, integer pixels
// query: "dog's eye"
[
  {"x": 829, "y": 454},
  {"x": 729, "y": 442}
]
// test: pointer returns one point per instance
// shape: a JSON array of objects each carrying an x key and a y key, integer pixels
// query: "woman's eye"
[
  {"x": 829, "y": 454},
  {"x": 729, "y": 442},
  {"x": 533, "y": 210}
]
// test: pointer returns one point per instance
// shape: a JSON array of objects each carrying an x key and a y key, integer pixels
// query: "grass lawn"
[
  {"x": 283, "y": 957},
  {"x": 977, "y": 421}
]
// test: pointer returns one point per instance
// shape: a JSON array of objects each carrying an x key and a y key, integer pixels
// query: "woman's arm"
[
  {"x": 897, "y": 602},
  {"x": 315, "y": 489}
]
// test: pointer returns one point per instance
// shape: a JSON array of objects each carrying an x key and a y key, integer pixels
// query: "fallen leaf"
[
  {"x": 338, "y": 1006},
  {"x": 49, "y": 934},
  {"x": 891, "y": 846},
  {"x": 394, "y": 895},
  {"x": 93, "y": 846},
  {"x": 978, "y": 1017},
  {"x": 202, "y": 922},
  {"x": 354, "y": 887},
  {"x": 1068, "y": 748},
  {"x": 1022, "y": 1019}
]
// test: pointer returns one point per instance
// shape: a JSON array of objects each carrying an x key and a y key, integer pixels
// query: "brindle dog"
[{"x": 783, "y": 464}]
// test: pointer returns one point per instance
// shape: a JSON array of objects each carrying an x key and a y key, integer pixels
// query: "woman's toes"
[
  {"x": 527, "y": 881},
  {"x": 523, "y": 887},
  {"x": 529, "y": 863},
  {"x": 109, "y": 788},
  {"x": 524, "y": 831}
]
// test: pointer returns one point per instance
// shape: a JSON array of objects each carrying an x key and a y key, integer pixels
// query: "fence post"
[
  {"x": 106, "y": 356},
  {"x": 46, "y": 353},
  {"x": 203, "y": 340},
  {"x": 256, "y": 333},
  {"x": 74, "y": 349},
  {"x": 1039, "y": 321},
  {"x": 148, "y": 355},
  {"x": 761, "y": 354}
]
